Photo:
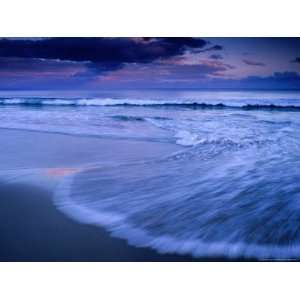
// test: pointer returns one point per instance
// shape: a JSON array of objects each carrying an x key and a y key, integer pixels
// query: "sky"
[{"x": 132, "y": 63}]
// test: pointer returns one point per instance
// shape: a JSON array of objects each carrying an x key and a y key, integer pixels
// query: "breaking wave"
[
  {"x": 199, "y": 104},
  {"x": 215, "y": 199},
  {"x": 232, "y": 191}
]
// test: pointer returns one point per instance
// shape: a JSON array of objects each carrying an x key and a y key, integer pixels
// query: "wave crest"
[{"x": 200, "y": 104}]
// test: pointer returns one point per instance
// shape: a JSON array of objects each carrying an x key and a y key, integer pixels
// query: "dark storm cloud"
[
  {"x": 216, "y": 56},
  {"x": 253, "y": 63},
  {"x": 296, "y": 60},
  {"x": 102, "y": 54}
]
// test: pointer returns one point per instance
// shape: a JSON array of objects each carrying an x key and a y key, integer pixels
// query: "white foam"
[
  {"x": 211, "y": 99},
  {"x": 117, "y": 224},
  {"x": 185, "y": 138}
]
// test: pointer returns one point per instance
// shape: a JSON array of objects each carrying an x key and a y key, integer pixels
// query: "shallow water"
[{"x": 231, "y": 190}]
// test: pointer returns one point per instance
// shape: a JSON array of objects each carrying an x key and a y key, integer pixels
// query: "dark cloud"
[
  {"x": 84, "y": 63},
  {"x": 296, "y": 60},
  {"x": 253, "y": 63},
  {"x": 216, "y": 56},
  {"x": 17, "y": 66},
  {"x": 286, "y": 75},
  {"x": 216, "y": 48},
  {"x": 211, "y": 48},
  {"x": 279, "y": 80},
  {"x": 195, "y": 76},
  {"x": 74, "y": 75},
  {"x": 102, "y": 54},
  {"x": 166, "y": 72}
]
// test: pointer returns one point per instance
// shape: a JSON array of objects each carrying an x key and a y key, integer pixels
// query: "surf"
[
  {"x": 289, "y": 104},
  {"x": 213, "y": 199}
]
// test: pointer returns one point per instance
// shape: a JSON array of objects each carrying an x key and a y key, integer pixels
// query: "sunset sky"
[{"x": 106, "y": 63}]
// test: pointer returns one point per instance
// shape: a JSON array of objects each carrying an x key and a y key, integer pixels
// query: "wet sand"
[
  {"x": 32, "y": 229},
  {"x": 33, "y": 149}
]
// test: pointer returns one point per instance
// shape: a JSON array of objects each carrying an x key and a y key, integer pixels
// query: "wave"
[
  {"x": 186, "y": 138},
  {"x": 128, "y": 118},
  {"x": 284, "y": 105},
  {"x": 194, "y": 206}
]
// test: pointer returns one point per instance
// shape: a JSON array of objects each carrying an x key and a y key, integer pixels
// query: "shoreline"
[
  {"x": 36, "y": 149},
  {"x": 33, "y": 230}
]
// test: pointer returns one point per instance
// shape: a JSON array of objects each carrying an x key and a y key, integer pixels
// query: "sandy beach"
[{"x": 32, "y": 229}]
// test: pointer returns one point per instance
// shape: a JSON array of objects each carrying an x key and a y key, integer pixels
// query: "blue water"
[{"x": 231, "y": 190}]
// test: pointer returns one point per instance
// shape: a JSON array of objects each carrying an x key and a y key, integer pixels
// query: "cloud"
[
  {"x": 296, "y": 60},
  {"x": 216, "y": 48},
  {"x": 211, "y": 48},
  {"x": 253, "y": 63},
  {"x": 218, "y": 64},
  {"x": 286, "y": 75},
  {"x": 192, "y": 76},
  {"x": 34, "y": 73},
  {"x": 102, "y": 54},
  {"x": 278, "y": 80},
  {"x": 158, "y": 75},
  {"x": 16, "y": 67},
  {"x": 216, "y": 56}
]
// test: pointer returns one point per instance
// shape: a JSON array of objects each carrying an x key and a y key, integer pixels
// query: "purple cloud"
[
  {"x": 253, "y": 63},
  {"x": 103, "y": 54},
  {"x": 216, "y": 56}
]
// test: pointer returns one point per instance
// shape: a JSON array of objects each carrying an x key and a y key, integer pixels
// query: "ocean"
[{"x": 229, "y": 189}]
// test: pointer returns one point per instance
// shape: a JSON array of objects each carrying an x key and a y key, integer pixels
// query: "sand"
[{"x": 32, "y": 229}]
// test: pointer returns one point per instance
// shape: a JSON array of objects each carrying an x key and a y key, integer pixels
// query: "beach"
[
  {"x": 32, "y": 228},
  {"x": 151, "y": 176}
]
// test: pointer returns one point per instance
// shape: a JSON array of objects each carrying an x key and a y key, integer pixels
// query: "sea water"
[{"x": 231, "y": 190}]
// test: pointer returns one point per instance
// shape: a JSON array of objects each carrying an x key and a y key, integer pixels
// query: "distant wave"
[
  {"x": 128, "y": 118},
  {"x": 199, "y": 104}
]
